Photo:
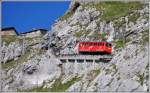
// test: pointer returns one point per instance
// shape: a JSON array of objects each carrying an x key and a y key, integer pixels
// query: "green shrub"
[
  {"x": 141, "y": 78},
  {"x": 8, "y": 39},
  {"x": 134, "y": 17}
]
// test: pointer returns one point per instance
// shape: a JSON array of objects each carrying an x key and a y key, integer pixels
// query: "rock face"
[
  {"x": 35, "y": 71},
  {"x": 127, "y": 71},
  {"x": 17, "y": 48},
  {"x": 12, "y": 51}
]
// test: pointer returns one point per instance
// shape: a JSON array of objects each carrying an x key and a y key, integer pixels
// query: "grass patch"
[
  {"x": 134, "y": 17},
  {"x": 141, "y": 78},
  {"x": 95, "y": 72},
  {"x": 56, "y": 87},
  {"x": 9, "y": 38},
  {"x": 81, "y": 33},
  {"x": 28, "y": 38},
  {"x": 120, "y": 43},
  {"x": 13, "y": 63},
  {"x": 119, "y": 23},
  {"x": 95, "y": 35},
  {"x": 12, "y": 38},
  {"x": 66, "y": 16},
  {"x": 114, "y": 9}
]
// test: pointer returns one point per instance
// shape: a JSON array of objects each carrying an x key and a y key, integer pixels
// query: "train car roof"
[{"x": 96, "y": 42}]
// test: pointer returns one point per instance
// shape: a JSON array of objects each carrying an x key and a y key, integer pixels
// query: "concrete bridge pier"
[
  {"x": 85, "y": 65},
  {"x": 93, "y": 64},
  {"x": 75, "y": 67}
]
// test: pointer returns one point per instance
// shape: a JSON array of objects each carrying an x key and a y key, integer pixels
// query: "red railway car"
[{"x": 95, "y": 47}]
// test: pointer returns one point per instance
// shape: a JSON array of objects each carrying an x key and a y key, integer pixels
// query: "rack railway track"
[{"x": 84, "y": 58}]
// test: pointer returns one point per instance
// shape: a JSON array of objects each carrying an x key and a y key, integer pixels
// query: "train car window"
[
  {"x": 90, "y": 44},
  {"x": 108, "y": 45},
  {"x": 96, "y": 44},
  {"x": 86, "y": 44},
  {"x": 93, "y": 44},
  {"x": 102, "y": 44}
]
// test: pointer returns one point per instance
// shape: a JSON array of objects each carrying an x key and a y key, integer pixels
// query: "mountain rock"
[{"x": 127, "y": 71}]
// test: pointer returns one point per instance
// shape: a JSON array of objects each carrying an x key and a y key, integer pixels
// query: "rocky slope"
[
  {"x": 103, "y": 21},
  {"x": 14, "y": 47}
]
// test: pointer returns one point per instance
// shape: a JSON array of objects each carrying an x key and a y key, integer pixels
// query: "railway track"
[{"x": 84, "y": 58}]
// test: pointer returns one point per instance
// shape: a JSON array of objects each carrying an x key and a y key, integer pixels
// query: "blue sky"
[{"x": 25, "y": 16}]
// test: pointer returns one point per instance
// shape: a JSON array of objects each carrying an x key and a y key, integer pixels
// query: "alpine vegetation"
[{"x": 55, "y": 62}]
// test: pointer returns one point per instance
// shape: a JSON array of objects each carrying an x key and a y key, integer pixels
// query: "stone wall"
[
  {"x": 8, "y": 32},
  {"x": 32, "y": 34}
]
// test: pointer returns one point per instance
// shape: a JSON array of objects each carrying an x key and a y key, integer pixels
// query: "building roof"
[
  {"x": 10, "y": 28},
  {"x": 44, "y": 30}
]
